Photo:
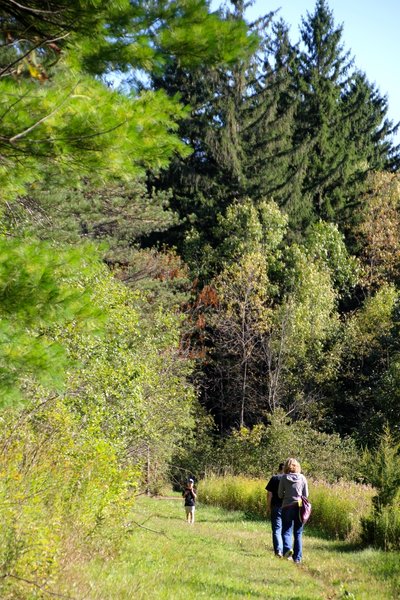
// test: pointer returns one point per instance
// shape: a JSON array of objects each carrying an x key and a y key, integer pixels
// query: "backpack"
[{"x": 304, "y": 509}]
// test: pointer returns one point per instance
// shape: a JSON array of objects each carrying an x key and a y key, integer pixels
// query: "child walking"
[{"x": 190, "y": 496}]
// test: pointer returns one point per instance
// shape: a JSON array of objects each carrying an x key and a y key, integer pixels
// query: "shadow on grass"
[
  {"x": 249, "y": 516},
  {"x": 339, "y": 547},
  {"x": 220, "y": 590},
  {"x": 389, "y": 570},
  {"x": 223, "y": 590},
  {"x": 199, "y": 519}
]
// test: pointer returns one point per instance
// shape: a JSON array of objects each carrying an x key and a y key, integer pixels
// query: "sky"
[{"x": 371, "y": 32}]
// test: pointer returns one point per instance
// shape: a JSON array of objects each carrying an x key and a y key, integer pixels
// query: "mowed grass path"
[{"x": 225, "y": 555}]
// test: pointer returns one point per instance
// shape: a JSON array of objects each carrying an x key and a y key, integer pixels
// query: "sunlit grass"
[
  {"x": 225, "y": 555},
  {"x": 337, "y": 508}
]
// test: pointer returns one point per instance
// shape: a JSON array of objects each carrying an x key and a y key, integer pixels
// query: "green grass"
[{"x": 224, "y": 555}]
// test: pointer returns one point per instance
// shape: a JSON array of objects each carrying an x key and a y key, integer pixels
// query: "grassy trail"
[{"x": 226, "y": 556}]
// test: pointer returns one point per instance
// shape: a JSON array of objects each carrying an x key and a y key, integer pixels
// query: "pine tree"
[
  {"x": 341, "y": 115},
  {"x": 240, "y": 127},
  {"x": 273, "y": 162},
  {"x": 54, "y": 112}
]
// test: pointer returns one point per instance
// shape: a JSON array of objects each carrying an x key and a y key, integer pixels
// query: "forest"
[{"x": 199, "y": 266}]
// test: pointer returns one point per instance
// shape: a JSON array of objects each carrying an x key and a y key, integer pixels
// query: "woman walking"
[{"x": 292, "y": 486}]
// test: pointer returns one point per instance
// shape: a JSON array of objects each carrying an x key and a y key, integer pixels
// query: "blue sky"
[{"x": 371, "y": 31}]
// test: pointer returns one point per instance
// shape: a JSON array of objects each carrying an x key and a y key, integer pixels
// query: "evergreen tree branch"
[
  {"x": 43, "y": 119},
  {"x": 30, "y": 9}
]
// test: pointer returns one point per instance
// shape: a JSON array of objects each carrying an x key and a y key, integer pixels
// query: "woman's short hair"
[{"x": 292, "y": 466}]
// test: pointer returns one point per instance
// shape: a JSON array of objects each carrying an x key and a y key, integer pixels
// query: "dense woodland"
[{"x": 199, "y": 266}]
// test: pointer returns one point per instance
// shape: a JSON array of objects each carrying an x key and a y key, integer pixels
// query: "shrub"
[
  {"x": 382, "y": 467},
  {"x": 69, "y": 464},
  {"x": 382, "y": 529},
  {"x": 254, "y": 452},
  {"x": 58, "y": 482}
]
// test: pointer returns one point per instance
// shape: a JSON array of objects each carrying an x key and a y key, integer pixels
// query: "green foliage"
[
  {"x": 247, "y": 229},
  {"x": 382, "y": 529},
  {"x": 369, "y": 327},
  {"x": 117, "y": 215},
  {"x": 242, "y": 315},
  {"x": 117, "y": 36},
  {"x": 194, "y": 35},
  {"x": 236, "y": 130},
  {"x": 382, "y": 467},
  {"x": 299, "y": 126},
  {"x": 387, "y": 393},
  {"x": 116, "y": 218},
  {"x": 235, "y": 493},
  {"x": 132, "y": 381},
  {"x": 39, "y": 288},
  {"x": 311, "y": 308},
  {"x": 258, "y": 450},
  {"x": 340, "y": 508},
  {"x": 276, "y": 330},
  {"x": 126, "y": 406},
  {"x": 61, "y": 117},
  {"x": 366, "y": 377},
  {"x": 342, "y": 115},
  {"x": 376, "y": 234},
  {"x": 243, "y": 290},
  {"x": 326, "y": 244},
  {"x": 78, "y": 127},
  {"x": 61, "y": 480},
  {"x": 197, "y": 452}
]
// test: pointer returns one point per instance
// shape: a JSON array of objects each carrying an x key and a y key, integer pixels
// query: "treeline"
[
  {"x": 198, "y": 270},
  {"x": 289, "y": 223}
]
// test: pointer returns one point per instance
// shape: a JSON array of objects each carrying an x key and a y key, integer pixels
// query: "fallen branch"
[
  {"x": 146, "y": 528},
  {"x": 35, "y": 584}
]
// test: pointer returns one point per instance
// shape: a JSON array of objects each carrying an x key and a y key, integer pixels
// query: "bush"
[
  {"x": 59, "y": 484},
  {"x": 382, "y": 467},
  {"x": 254, "y": 452},
  {"x": 337, "y": 508},
  {"x": 382, "y": 529},
  {"x": 234, "y": 493},
  {"x": 69, "y": 464}
]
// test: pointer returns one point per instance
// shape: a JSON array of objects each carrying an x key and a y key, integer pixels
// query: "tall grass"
[
  {"x": 382, "y": 528},
  {"x": 337, "y": 508},
  {"x": 235, "y": 493}
]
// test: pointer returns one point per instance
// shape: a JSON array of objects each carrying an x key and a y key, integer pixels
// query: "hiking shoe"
[
  {"x": 288, "y": 554},
  {"x": 279, "y": 555}
]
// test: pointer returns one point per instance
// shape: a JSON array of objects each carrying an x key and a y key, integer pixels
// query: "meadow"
[{"x": 228, "y": 555}]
